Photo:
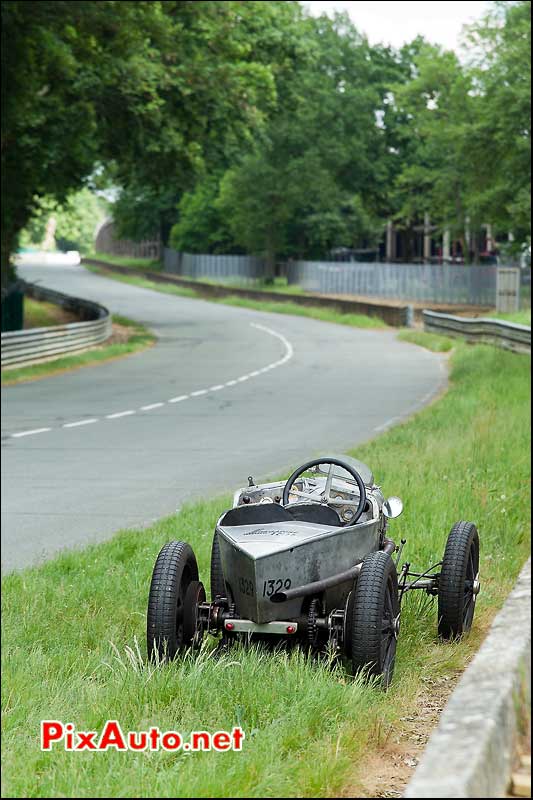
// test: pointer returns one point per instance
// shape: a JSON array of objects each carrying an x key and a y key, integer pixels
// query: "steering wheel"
[{"x": 324, "y": 497}]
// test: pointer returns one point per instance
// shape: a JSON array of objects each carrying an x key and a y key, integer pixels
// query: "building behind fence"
[{"x": 450, "y": 284}]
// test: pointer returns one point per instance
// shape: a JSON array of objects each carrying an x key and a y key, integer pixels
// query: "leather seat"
[
  {"x": 263, "y": 513},
  {"x": 314, "y": 513}
]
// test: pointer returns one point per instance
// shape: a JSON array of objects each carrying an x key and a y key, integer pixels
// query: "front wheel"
[
  {"x": 167, "y": 631},
  {"x": 459, "y": 581},
  {"x": 374, "y": 611}
]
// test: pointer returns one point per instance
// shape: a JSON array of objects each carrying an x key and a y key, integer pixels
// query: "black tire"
[
  {"x": 174, "y": 570},
  {"x": 218, "y": 586},
  {"x": 375, "y": 618},
  {"x": 460, "y": 568}
]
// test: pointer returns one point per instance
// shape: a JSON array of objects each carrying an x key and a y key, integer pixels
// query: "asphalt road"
[{"x": 226, "y": 392}]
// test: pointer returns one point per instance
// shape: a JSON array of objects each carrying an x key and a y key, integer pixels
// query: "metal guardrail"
[
  {"x": 492, "y": 331},
  {"x": 24, "y": 347}
]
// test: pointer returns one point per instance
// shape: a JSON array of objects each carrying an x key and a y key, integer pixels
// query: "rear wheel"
[
  {"x": 458, "y": 581},
  {"x": 375, "y": 615},
  {"x": 218, "y": 586},
  {"x": 174, "y": 570}
]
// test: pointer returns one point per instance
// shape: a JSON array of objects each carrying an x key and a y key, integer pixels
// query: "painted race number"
[
  {"x": 275, "y": 585},
  {"x": 246, "y": 587}
]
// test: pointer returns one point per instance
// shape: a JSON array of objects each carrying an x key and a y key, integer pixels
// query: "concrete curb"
[{"x": 470, "y": 753}]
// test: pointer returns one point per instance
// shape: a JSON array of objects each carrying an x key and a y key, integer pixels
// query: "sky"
[{"x": 397, "y": 22}]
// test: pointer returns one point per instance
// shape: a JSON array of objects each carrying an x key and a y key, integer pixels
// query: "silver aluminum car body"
[{"x": 262, "y": 559}]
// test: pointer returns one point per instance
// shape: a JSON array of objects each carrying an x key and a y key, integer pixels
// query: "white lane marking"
[
  {"x": 387, "y": 424},
  {"x": 151, "y": 406},
  {"x": 30, "y": 433},
  {"x": 289, "y": 352},
  {"x": 80, "y": 422}
]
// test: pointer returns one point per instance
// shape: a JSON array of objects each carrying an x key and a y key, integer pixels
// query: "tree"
[
  {"x": 201, "y": 227},
  {"x": 318, "y": 176},
  {"x": 434, "y": 110},
  {"x": 156, "y": 89},
  {"x": 501, "y": 138},
  {"x": 463, "y": 131},
  {"x": 221, "y": 86},
  {"x": 75, "y": 221}
]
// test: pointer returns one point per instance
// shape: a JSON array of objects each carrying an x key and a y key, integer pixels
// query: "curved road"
[{"x": 226, "y": 392}]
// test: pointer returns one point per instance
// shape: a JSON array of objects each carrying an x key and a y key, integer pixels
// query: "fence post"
[{"x": 507, "y": 289}]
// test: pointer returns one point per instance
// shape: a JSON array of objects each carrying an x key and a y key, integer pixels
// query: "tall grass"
[{"x": 71, "y": 627}]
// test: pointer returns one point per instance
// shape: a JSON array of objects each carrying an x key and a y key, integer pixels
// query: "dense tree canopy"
[
  {"x": 155, "y": 91},
  {"x": 250, "y": 126}
]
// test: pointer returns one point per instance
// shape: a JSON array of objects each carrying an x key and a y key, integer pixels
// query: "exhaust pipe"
[{"x": 326, "y": 583}]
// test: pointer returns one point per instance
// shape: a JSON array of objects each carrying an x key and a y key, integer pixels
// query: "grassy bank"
[
  {"x": 431, "y": 341},
  {"x": 315, "y": 312},
  {"x": 41, "y": 314},
  {"x": 128, "y": 337},
  {"x": 523, "y": 317},
  {"x": 127, "y": 261},
  {"x": 69, "y": 624}
]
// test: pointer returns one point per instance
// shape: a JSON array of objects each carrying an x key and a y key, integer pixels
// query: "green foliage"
[
  {"x": 76, "y": 220},
  {"x": 465, "y": 131},
  {"x": 502, "y": 133},
  {"x": 154, "y": 89},
  {"x": 201, "y": 226},
  {"x": 255, "y": 126},
  {"x": 300, "y": 191}
]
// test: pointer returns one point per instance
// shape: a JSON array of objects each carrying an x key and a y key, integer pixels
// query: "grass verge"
[
  {"x": 40, "y": 314},
  {"x": 521, "y": 317},
  {"x": 431, "y": 341},
  {"x": 69, "y": 623},
  {"x": 127, "y": 261},
  {"x": 136, "y": 337},
  {"x": 315, "y": 312}
]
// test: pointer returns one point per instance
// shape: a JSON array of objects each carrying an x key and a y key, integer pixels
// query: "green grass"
[
  {"x": 40, "y": 314},
  {"x": 127, "y": 261},
  {"x": 278, "y": 285},
  {"x": 67, "y": 625},
  {"x": 315, "y": 312},
  {"x": 140, "y": 338},
  {"x": 521, "y": 317},
  {"x": 431, "y": 341}
]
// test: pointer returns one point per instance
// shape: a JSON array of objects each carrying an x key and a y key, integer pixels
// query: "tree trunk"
[
  {"x": 270, "y": 258},
  {"x": 7, "y": 272}
]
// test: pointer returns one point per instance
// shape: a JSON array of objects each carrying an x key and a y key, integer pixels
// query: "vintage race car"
[{"x": 309, "y": 561}]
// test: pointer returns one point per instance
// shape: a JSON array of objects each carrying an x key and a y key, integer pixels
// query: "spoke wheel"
[
  {"x": 174, "y": 570},
  {"x": 374, "y": 619},
  {"x": 459, "y": 581}
]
